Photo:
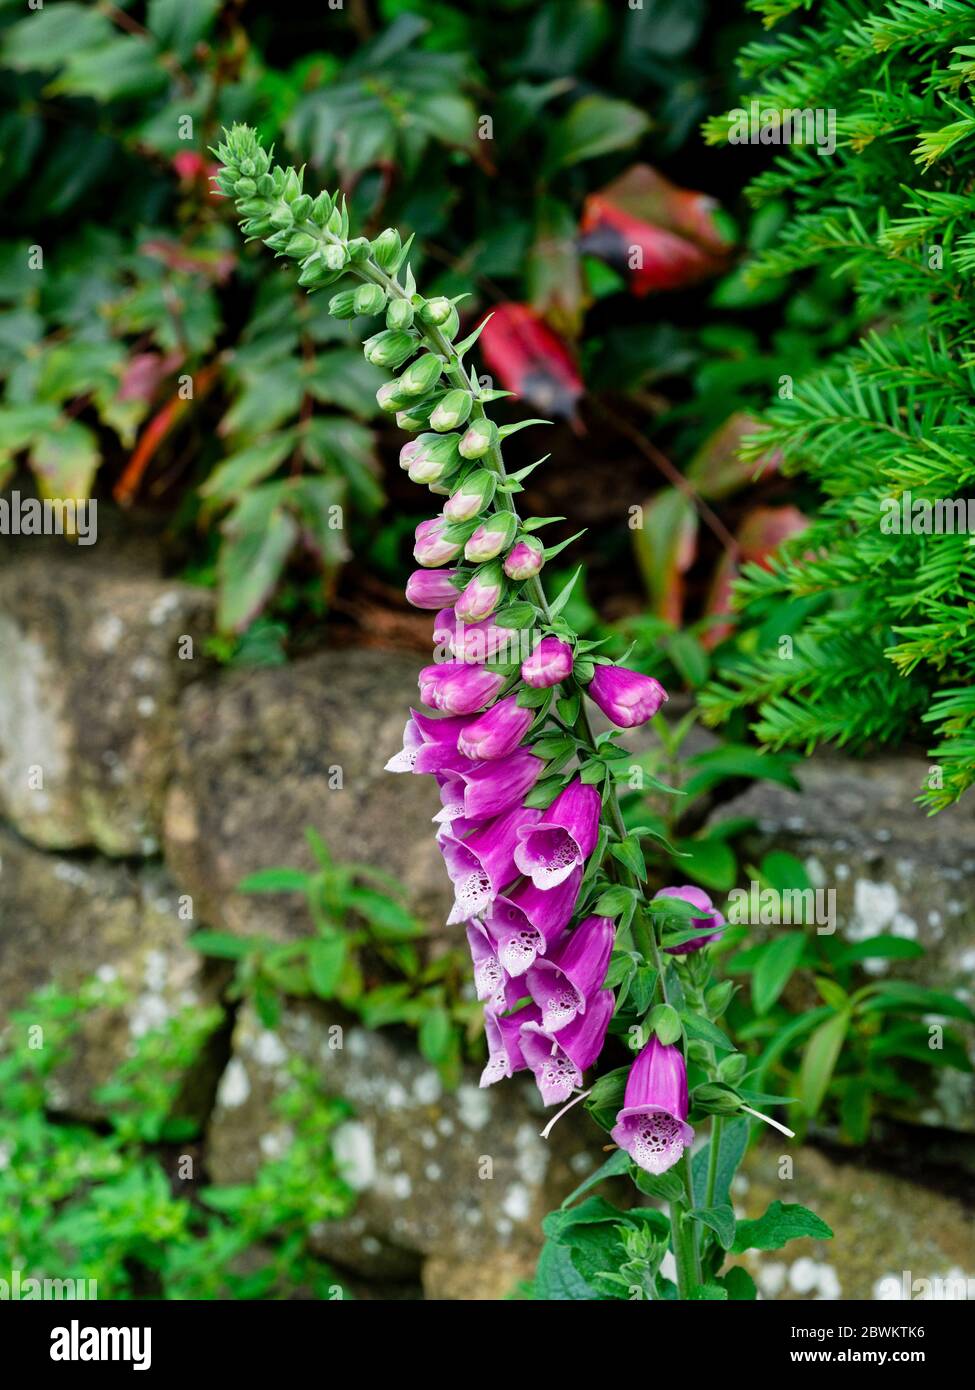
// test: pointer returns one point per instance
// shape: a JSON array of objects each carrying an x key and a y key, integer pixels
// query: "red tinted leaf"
[
  {"x": 665, "y": 550},
  {"x": 716, "y": 470},
  {"x": 528, "y": 358}
]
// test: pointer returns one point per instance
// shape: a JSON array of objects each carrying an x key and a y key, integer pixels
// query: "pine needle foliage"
[{"x": 883, "y": 637}]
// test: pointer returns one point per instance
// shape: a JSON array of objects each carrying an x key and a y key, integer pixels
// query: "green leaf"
[
  {"x": 739, "y": 1284},
  {"x": 258, "y": 538},
  {"x": 595, "y": 125},
  {"x": 880, "y": 947},
  {"x": 664, "y": 1020},
  {"x": 326, "y": 959},
  {"x": 275, "y": 881},
  {"x": 564, "y": 594},
  {"x": 617, "y": 1164},
  {"x": 731, "y": 1150},
  {"x": 709, "y": 860},
  {"x": 774, "y": 969},
  {"x": 720, "y": 1219},
  {"x": 435, "y": 1034},
  {"x": 819, "y": 1060},
  {"x": 557, "y": 1279},
  {"x": 784, "y": 1221},
  {"x": 613, "y": 901},
  {"x": 221, "y": 944},
  {"x": 697, "y": 1026},
  {"x": 629, "y": 853},
  {"x": 665, "y": 1186}
]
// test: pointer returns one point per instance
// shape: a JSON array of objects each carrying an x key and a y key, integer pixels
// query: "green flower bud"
[
  {"x": 370, "y": 299},
  {"x": 388, "y": 398},
  {"x": 416, "y": 416},
  {"x": 314, "y": 274},
  {"x": 421, "y": 375},
  {"x": 281, "y": 216},
  {"x": 451, "y": 324},
  {"x": 301, "y": 207},
  {"x": 302, "y": 244},
  {"x": 452, "y": 411},
  {"x": 386, "y": 248},
  {"x": 732, "y": 1068},
  {"x": 247, "y": 167},
  {"x": 389, "y": 349},
  {"x": 718, "y": 997},
  {"x": 245, "y": 188},
  {"x": 481, "y": 435},
  {"x": 473, "y": 496},
  {"x": 359, "y": 248},
  {"x": 265, "y": 185},
  {"x": 436, "y": 311},
  {"x": 342, "y": 305},
  {"x": 292, "y": 186},
  {"x": 491, "y": 537},
  {"x": 334, "y": 256},
  {"x": 253, "y": 207},
  {"x": 399, "y": 314},
  {"x": 321, "y": 209}
]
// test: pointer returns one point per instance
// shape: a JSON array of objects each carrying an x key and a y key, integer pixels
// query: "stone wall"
[{"x": 139, "y": 784}]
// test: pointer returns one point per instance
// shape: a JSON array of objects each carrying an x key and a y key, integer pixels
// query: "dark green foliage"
[{"x": 879, "y": 624}]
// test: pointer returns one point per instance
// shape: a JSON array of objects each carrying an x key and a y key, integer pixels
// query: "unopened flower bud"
[
  {"x": 481, "y": 435},
  {"x": 435, "y": 311},
  {"x": 389, "y": 349},
  {"x": 549, "y": 663},
  {"x": 334, "y": 256},
  {"x": 342, "y": 305},
  {"x": 416, "y": 416},
  {"x": 452, "y": 411},
  {"x": 431, "y": 589},
  {"x": 399, "y": 314},
  {"x": 525, "y": 559},
  {"x": 491, "y": 537},
  {"x": 389, "y": 397},
  {"x": 431, "y": 457},
  {"x": 370, "y": 299},
  {"x": 386, "y": 248},
  {"x": 435, "y": 544},
  {"x": 473, "y": 496},
  {"x": 482, "y": 594},
  {"x": 420, "y": 375}
]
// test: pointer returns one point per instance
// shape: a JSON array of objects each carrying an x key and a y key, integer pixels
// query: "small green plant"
[
  {"x": 113, "y": 1205},
  {"x": 364, "y": 953}
]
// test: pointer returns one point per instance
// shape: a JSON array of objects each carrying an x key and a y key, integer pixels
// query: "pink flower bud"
[
  {"x": 525, "y": 559},
  {"x": 431, "y": 588},
  {"x": 626, "y": 697},
  {"x": 549, "y": 663}
]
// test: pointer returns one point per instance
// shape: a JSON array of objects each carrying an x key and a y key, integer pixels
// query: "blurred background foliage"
[{"x": 529, "y": 148}]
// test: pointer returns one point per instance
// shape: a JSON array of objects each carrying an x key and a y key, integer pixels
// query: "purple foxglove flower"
[
  {"x": 526, "y": 923},
  {"x": 503, "y": 1036},
  {"x": 710, "y": 917},
  {"x": 652, "y": 1125},
  {"x": 432, "y": 546},
  {"x": 482, "y": 594},
  {"x": 481, "y": 865},
  {"x": 525, "y": 558},
  {"x": 564, "y": 837},
  {"x": 457, "y": 688},
  {"x": 480, "y": 642},
  {"x": 491, "y": 788},
  {"x": 429, "y": 745},
  {"x": 489, "y": 977},
  {"x": 491, "y": 537},
  {"x": 562, "y": 982},
  {"x": 626, "y": 697},
  {"x": 498, "y": 732},
  {"x": 431, "y": 588},
  {"x": 558, "y": 1062},
  {"x": 472, "y": 497},
  {"x": 549, "y": 663}
]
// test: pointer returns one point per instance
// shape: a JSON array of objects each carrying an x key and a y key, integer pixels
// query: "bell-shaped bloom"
[
  {"x": 431, "y": 588},
  {"x": 652, "y": 1126},
  {"x": 497, "y": 732},
  {"x": 482, "y": 594},
  {"x": 491, "y": 537},
  {"x": 558, "y": 1062},
  {"x": 526, "y": 923},
  {"x": 473, "y": 496},
  {"x": 504, "y": 1034},
  {"x": 525, "y": 559},
  {"x": 626, "y": 697},
  {"x": 564, "y": 837},
  {"x": 434, "y": 545},
  {"x": 483, "y": 864},
  {"x": 489, "y": 977},
  {"x": 549, "y": 663},
  {"x": 709, "y": 917},
  {"x": 429, "y": 745},
  {"x": 491, "y": 788},
  {"x": 458, "y": 688},
  {"x": 562, "y": 982}
]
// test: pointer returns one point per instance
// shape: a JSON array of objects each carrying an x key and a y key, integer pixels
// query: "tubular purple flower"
[
  {"x": 480, "y": 642},
  {"x": 489, "y": 977},
  {"x": 491, "y": 788},
  {"x": 490, "y": 538},
  {"x": 498, "y": 732},
  {"x": 626, "y": 697},
  {"x": 503, "y": 1034},
  {"x": 458, "y": 688},
  {"x": 652, "y": 1125},
  {"x": 481, "y": 865},
  {"x": 562, "y": 982},
  {"x": 431, "y": 588},
  {"x": 432, "y": 546},
  {"x": 482, "y": 594},
  {"x": 563, "y": 839},
  {"x": 558, "y": 1062},
  {"x": 429, "y": 745},
  {"x": 525, "y": 559},
  {"x": 710, "y": 917},
  {"x": 526, "y": 923},
  {"x": 549, "y": 663}
]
